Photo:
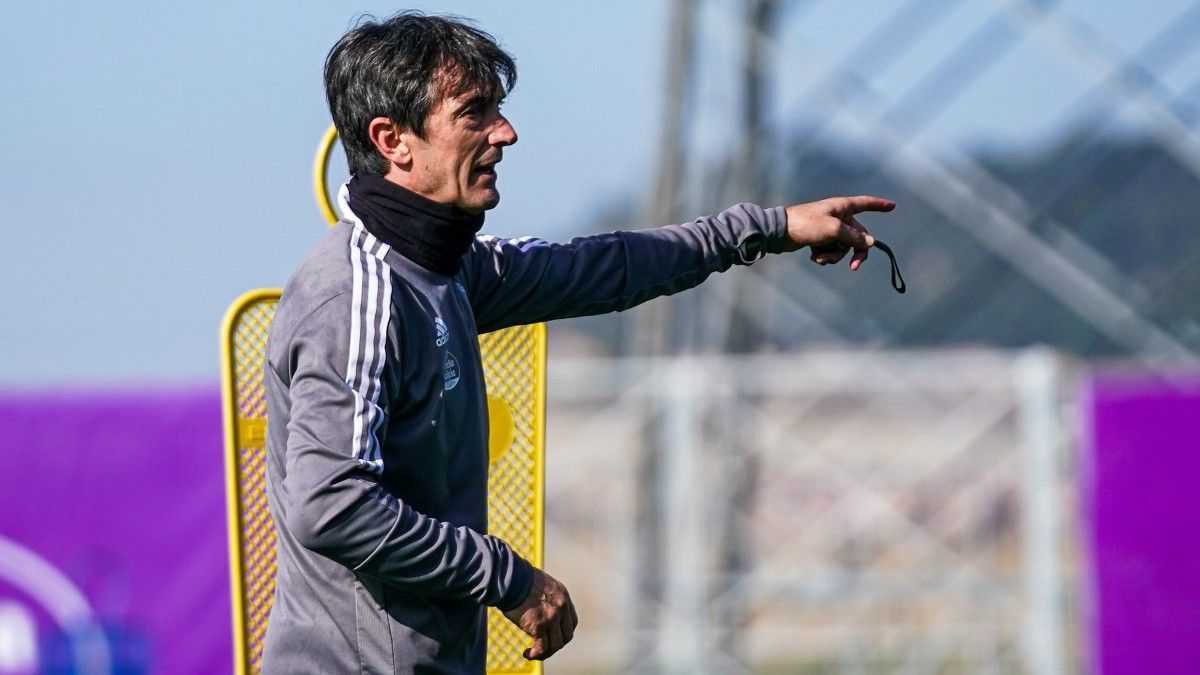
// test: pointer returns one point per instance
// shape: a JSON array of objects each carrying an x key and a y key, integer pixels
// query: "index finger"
[{"x": 868, "y": 203}]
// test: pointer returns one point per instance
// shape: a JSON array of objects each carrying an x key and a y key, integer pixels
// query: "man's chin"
[{"x": 485, "y": 201}]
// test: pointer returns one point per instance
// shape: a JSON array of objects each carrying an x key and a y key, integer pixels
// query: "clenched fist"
[{"x": 547, "y": 615}]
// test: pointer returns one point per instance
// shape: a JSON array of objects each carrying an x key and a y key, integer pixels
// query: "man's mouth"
[{"x": 487, "y": 168}]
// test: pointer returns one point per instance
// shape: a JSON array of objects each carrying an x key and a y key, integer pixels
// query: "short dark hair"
[{"x": 399, "y": 69}]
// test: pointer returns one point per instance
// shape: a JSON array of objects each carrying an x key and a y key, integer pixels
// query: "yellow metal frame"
[
  {"x": 233, "y": 490},
  {"x": 320, "y": 171}
]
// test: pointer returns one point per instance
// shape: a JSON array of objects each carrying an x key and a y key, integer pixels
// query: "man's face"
[{"x": 456, "y": 162}]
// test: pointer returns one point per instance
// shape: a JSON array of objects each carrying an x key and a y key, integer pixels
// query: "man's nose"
[{"x": 503, "y": 132}]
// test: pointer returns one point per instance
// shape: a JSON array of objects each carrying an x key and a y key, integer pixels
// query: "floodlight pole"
[{"x": 650, "y": 328}]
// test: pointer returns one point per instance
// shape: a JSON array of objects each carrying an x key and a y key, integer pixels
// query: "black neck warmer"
[{"x": 432, "y": 235}]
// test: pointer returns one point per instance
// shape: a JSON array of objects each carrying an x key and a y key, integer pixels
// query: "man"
[{"x": 377, "y": 445}]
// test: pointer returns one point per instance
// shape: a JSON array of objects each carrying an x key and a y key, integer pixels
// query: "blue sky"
[{"x": 156, "y": 156}]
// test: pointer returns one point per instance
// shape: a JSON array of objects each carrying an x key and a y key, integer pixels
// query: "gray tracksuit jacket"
[{"x": 377, "y": 435}]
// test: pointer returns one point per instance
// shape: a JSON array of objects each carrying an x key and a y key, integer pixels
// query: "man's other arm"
[{"x": 334, "y": 504}]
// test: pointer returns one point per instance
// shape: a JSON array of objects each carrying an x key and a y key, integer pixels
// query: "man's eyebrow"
[{"x": 479, "y": 100}]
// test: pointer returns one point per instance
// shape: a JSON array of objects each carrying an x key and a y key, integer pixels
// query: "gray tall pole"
[
  {"x": 733, "y": 495},
  {"x": 652, "y": 323},
  {"x": 758, "y": 23},
  {"x": 746, "y": 179},
  {"x": 651, "y": 337},
  {"x": 672, "y": 150}
]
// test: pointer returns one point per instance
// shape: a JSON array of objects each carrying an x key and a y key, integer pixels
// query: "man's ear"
[{"x": 390, "y": 140}]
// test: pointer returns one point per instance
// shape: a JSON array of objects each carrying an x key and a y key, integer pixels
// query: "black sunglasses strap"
[{"x": 897, "y": 279}]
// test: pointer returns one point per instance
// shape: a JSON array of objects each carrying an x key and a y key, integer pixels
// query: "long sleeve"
[
  {"x": 519, "y": 281},
  {"x": 339, "y": 370}
]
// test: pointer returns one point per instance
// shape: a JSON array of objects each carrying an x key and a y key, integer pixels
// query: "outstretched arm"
[{"x": 518, "y": 281}]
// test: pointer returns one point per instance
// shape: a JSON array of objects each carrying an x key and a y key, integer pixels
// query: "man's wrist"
[
  {"x": 522, "y": 581},
  {"x": 776, "y": 229}
]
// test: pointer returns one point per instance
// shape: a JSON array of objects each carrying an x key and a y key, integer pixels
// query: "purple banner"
[
  {"x": 112, "y": 533},
  {"x": 1143, "y": 492}
]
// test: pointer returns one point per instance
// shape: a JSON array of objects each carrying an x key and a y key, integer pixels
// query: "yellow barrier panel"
[
  {"x": 514, "y": 370},
  {"x": 251, "y": 533}
]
